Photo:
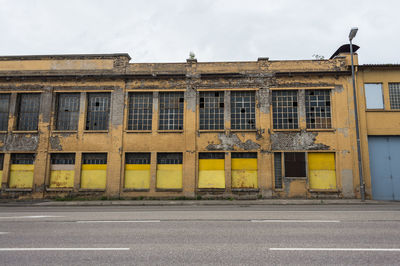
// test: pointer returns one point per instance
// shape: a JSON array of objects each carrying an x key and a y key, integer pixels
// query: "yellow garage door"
[
  {"x": 94, "y": 171},
  {"x": 21, "y": 170},
  {"x": 244, "y": 170},
  {"x": 211, "y": 170},
  {"x": 321, "y": 168},
  {"x": 137, "y": 171},
  {"x": 169, "y": 171}
]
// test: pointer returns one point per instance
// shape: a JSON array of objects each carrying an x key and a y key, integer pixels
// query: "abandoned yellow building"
[{"x": 100, "y": 126}]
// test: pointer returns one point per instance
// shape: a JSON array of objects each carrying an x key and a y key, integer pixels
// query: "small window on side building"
[
  {"x": 394, "y": 95},
  {"x": 374, "y": 96},
  {"x": 4, "y": 109}
]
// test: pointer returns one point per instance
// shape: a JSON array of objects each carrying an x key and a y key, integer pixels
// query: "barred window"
[
  {"x": 171, "y": 110},
  {"x": 318, "y": 109},
  {"x": 243, "y": 110},
  {"x": 140, "y": 111},
  {"x": 278, "y": 169},
  {"x": 394, "y": 95},
  {"x": 94, "y": 158},
  {"x": 98, "y": 111},
  {"x": 63, "y": 158},
  {"x": 137, "y": 158},
  {"x": 212, "y": 155},
  {"x": 284, "y": 108},
  {"x": 22, "y": 158},
  {"x": 28, "y": 111},
  {"x": 4, "y": 109},
  {"x": 211, "y": 110},
  {"x": 169, "y": 158},
  {"x": 1, "y": 161},
  {"x": 67, "y": 111},
  {"x": 244, "y": 155}
]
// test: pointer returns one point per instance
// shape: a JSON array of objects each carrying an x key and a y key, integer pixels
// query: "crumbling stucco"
[
  {"x": 230, "y": 141},
  {"x": 190, "y": 97},
  {"x": 296, "y": 141},
  {"x": 117, "y": 113},
  {"x": 19, "y": 142},
  {"x": 55, "y": 143},
  {"x": 263, "y": 100}
]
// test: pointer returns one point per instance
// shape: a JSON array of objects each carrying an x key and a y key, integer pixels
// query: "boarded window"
[
  {"x": 244, "y": 170},
  {"x": 137, "y": 170},
  {"x": 374, "y": 96},
  {"x": 295, "y": 164},
  {"x": 284, "y": 108},
  {"x": 211, "y": 110},
  {"x": 62, "y": 170},
  {"x": 140, "y": 111},
  {"x": 28, "y": 111},
  {"x": 211, "y": 170},
  {"x": 22, "y": 158},
  {"x": 94, "y": 171},
  {"x": 4, "y": 110},
  {"x": 243, "y": 110},
  {"x": 169, "y": 171},
  {"x": 278, "y": 169},
  {"x": 95, "y": 158},
  {"x": 394, "y": 95},
  {"x": 1, "y": 161},
  {"x": 322, "y": 173},
  {"x": 318, "y": 109},
  {"x": 67, "y": 111},
  {"x": 98, "y": 111},
  {"x": 171, "y": 110},
  {"x": 21, "y": 170}
]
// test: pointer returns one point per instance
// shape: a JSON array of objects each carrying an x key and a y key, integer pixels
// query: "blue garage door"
[{"x": 384, "y": 157}]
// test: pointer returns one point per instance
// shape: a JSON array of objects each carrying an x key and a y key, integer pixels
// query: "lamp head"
[{"x": 353, "y": 33}]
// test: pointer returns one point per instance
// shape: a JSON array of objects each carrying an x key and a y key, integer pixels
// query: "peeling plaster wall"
[
  {"x": 230, "y": 142},
  {"x": 19, "y": 142},
  {"x": 296, "y": 141}
]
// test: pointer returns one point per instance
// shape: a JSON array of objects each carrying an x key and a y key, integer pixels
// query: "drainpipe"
[{"x": 352, "y": 34}]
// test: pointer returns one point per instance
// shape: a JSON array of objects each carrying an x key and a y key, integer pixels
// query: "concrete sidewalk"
[{"x": 197, "y": 202}]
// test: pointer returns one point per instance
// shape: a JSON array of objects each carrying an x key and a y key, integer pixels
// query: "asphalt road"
[{"x": 201, "y": 235}]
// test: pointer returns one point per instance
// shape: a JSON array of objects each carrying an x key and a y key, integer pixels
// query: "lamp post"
[{"x": 352, "y": 34}]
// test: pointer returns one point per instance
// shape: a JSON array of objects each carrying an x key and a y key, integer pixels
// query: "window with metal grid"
[
  {"x": 1, "y": 161},
  {"x": 140, "y": 110},
  {"x": 243, "y": 110},
  {"x": 278, "y": 169},
  {"x": 94, "y": 158},
  {"x": 137, "y": 158},
  {"x": 284, "y": 108},
  {"x": 171, "y": 110},
  {"x": 4, "y": 110},
  {"x": 244, "y": 155},
  {"x": 211, "y": 110},
  {"x": 63, "y": 158},
  {"x": 169, "y": 158},
  {"x": 212, "y": 155},
  {"x": 22, "y": 158},
  {"x": 67, "y": 111},
  {"x": 394, "y": 95},
  {"x": 318, "y": 109},
  {"x": 98, "y": 111},
  {"x": 28, "y": 111}
]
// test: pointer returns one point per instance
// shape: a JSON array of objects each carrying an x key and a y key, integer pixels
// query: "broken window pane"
[
  {"x": 94, "y": 158},
  {"x": 4, "y": 109},
  {"x": 67, "y": 111},
  {"x": 140, "y": 111},
  {"x": 98, "y": 111},
  {"x": 278, "y": 169},
  {"x": 243, "y": 110},
  {"x": 394, "y": 95},
  {"x": 137, "y": 158},
  {"x": 374, "y": 96},
  {"x": 284, "y": 108},
  {"x": 211, "y": 110},
  {"x": 171, "y": 110},
  {"x": 63, "y": 158},
  {"x": 295, "y": 164},
  {"x": 169, "y": 158},
  {"x": 318, "y": 110},
  {"x": 28, "y": 111}
]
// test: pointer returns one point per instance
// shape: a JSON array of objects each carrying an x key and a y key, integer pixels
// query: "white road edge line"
[
  {"x": 60, "y": 249},
  {"x": 117, "y": 221},
  {"x": 336, "y": 249},
  {"x": 31, "y": 217},
  {"x": 295, "y": 221}
]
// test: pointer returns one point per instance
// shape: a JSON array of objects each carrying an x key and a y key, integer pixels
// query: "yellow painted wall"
[
  {"x": 169, "y": 176},
  {"x": 137, "y": 176},
  {"x": 321, "y": 169},
  {"x": 56, "y": 64},
  {"x": 94, "y": 176},
  {"x": 21, "y": 176},
  {"x": 211, "y": 173},
  {"x": 244, "y": 173}
]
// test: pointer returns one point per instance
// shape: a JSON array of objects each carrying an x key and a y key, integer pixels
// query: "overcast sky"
[{"x": 215, "y": 30}]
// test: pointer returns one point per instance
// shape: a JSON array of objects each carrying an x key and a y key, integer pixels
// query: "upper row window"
[{"x": 374, "y": 96}]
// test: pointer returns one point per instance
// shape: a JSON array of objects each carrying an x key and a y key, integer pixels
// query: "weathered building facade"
[{"x": 100, "y": 126}]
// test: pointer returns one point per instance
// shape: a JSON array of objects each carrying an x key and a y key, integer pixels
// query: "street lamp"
[{"x": 352, "y": 34}]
